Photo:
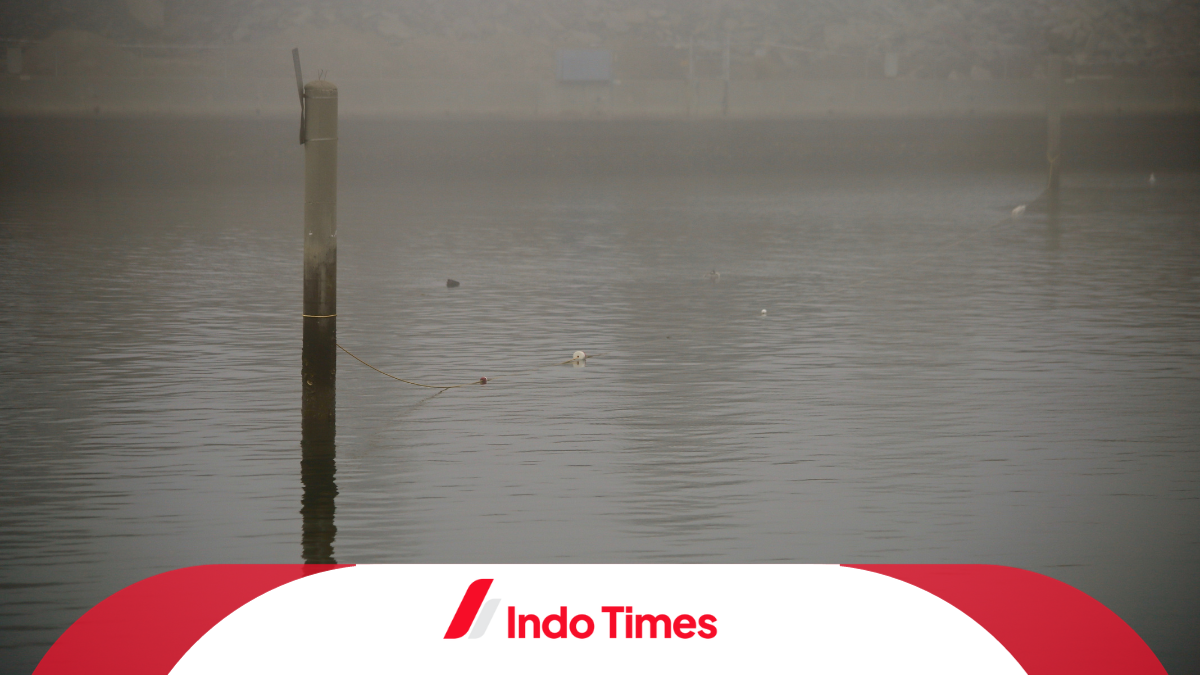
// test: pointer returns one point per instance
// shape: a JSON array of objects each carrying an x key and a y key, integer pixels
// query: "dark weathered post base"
[{"x": 318, "y": 466}]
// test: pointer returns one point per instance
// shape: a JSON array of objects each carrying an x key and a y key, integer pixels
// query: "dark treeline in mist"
[{"x": 772, "y": 39}]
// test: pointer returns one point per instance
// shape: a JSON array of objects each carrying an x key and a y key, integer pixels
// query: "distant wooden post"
[
  {"x": 691, "y": 75},
  {"x": 319, "y": 353},
  {"x": 1054, "y": 121},
  {"x": 725, "y": 75}
]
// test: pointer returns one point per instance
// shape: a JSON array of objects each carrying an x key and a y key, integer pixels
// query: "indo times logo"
[{"x": 474, "y": 614}]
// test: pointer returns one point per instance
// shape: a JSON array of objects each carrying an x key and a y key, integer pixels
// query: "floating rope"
[
  {"x": 482, "y": 380},
  {"x": 580, "y": 357}
]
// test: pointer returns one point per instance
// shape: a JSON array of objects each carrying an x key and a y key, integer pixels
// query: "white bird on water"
[
  {"x": 1019, "y": 211},
  {"x": 764, "y": 313}
]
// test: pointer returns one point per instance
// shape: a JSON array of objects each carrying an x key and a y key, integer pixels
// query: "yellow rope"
[
  {"x": 482, "y": 380},
  {"x": 415, "y": 384},
  {"x": 485, "y": 380}
]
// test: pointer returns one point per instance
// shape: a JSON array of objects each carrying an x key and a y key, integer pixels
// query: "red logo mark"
[{"x": 468, "y": 608}]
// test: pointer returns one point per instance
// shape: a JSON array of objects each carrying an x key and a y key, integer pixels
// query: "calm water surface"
[{"x": 933, "y": 381}]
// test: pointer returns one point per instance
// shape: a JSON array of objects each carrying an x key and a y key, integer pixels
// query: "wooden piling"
[
  {"x": 1054, "y": 121},
  {"x": 725, "y": 68},
  {"x": 319, "y": 353},
  {"x": 691, "y": 75}
]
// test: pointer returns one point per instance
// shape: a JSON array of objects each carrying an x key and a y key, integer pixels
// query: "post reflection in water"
[
  {"x": 318, "y": 465},
  {"x": 1053, "y": 228}
]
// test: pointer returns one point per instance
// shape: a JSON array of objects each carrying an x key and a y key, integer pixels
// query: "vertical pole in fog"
[
  {"x": 319, "y": 357},
  {"x": 725, "y": 75},
  {"x": 691, "y": 75},
  {"x": 319, "y": 354},
  {"x": 1054, "y": 121}
]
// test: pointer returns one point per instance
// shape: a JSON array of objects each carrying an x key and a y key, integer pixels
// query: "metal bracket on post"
[{"x": 300, "y": 90}]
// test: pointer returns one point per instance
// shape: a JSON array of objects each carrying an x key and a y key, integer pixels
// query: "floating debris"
[
  {"x": 713, "y": 276},
  {"x": 1152, "y": 180},
  {"x": 483, "y": 380},
  {"x": 1019, "y": 211},
  {"x": 578, "y": 356},
  {"x": 764, "y": 313},
  {"x": 450, "y": 283}
]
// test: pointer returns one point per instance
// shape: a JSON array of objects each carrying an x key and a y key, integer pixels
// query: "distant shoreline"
[
  {"x": 99, "y": 148},
  {"x": 702, "y": 99}
]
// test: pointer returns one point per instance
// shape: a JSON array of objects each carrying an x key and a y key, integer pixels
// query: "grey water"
[{"x": 934, "y": 380}]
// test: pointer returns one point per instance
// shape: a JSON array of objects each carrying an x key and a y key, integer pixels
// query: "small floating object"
[
  {"x": 450, "y": 283},
  {"x": 1152, "y": 180},
  {"x": 764, "y": 313},
  {"x": 483, "y": 380},
  {"x": 713, "y": 276},
  {"x": 1019, "y": 211},
  {"x": 578, "y": 356}
]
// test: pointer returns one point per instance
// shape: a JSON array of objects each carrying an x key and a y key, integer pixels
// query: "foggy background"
[
  {"x": 939, "y": 379},
  {"x": 774, "y": 39}
]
